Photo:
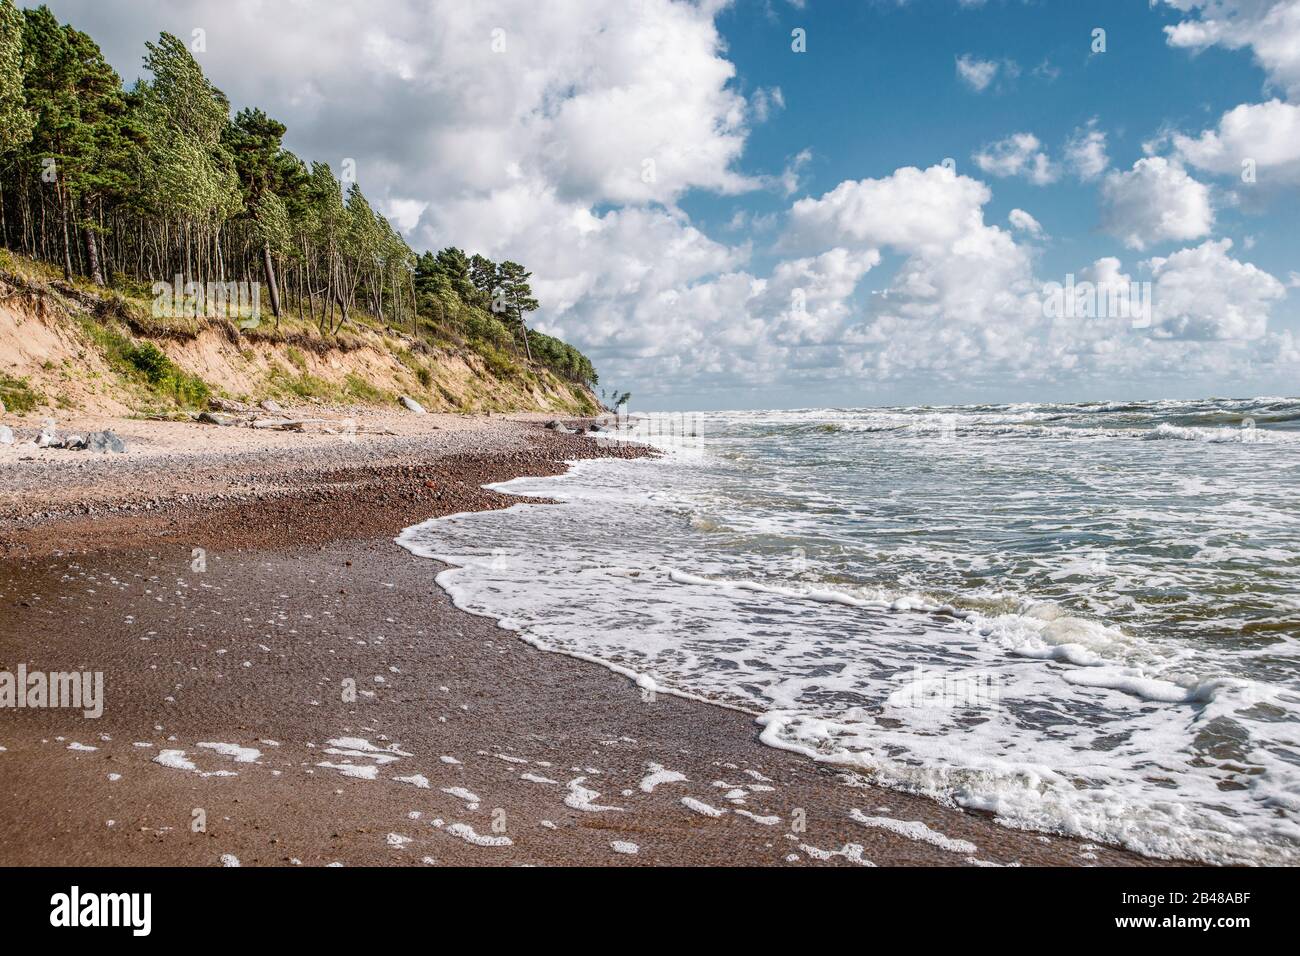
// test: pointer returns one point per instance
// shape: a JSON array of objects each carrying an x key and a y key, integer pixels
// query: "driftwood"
[
  {"x": 288, "y": 424},
  {"x": 330, "y": 426}
]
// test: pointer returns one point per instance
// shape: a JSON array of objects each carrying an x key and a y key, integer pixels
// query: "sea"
[{"x": 1083, "y": 619}]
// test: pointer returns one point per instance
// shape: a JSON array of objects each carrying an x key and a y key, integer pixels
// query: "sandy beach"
[{"x": 232, "y": 586}]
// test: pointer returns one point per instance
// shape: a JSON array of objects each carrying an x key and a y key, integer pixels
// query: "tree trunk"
[
  {"x": 524, "y": 325},
  {"x": 343, "y": 312},
  {"x": 67, "y": 246},
  {"x": 268, "y": 267},
  {"x": 92, "y": 257},
  {"x": 415, "y": 311}
]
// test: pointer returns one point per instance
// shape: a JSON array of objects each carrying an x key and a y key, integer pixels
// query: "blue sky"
[
  {"x": 878, "y": 90},
  {"x": 721, "y": 222}
]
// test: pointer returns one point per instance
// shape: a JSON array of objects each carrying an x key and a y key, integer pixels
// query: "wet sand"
[{"x": 509, "y": 755}]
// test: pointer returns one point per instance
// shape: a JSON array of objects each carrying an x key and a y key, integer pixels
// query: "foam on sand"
[
  {"x": 177, "y": 760},
  {"x": 702, "y": 808},
  {"x": 467, "y": 833},
  {"x": 358, "y": 747},
  {"x": 415, "y": 780},
  {"x": 659, "y": 775},
  {"x": 235, "y": 752},
  {"x": 357, "y": 771},
  {"x": 915, "y": 830},
  {"x": 471, "y": 799},
  {"x": 850, "y": 851},
  {"x": 582, "y": 798},
  {"x": 767, "y": 821}
]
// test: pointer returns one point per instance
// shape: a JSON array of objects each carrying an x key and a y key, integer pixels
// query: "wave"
[
  {"x": 1042, "y": 631},
  {"x": 1220, "y": 435},
  {"x": 1219, "y": 420},
  {"x": 958, "y": 429}
]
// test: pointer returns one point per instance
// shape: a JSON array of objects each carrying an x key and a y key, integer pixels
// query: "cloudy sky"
[{"x": 788, "y": 203}]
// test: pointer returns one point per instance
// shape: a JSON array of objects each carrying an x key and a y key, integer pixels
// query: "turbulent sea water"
[{"x": 1082, "y": 618}]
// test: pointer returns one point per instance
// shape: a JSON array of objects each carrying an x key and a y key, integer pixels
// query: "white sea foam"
[
  {"x": 467, "y": 833},
  {"x": 658, "y": 775},
  {"x": 234, "y": 751},
  {"x": 915, "y": 830},
  {"x": 583, "y": 798},
  {"x": 850, "y": 851},
  {"x": 357, "y": 771},
  {"x": 177, "y": 760},
  {"x": 460, "y": 793},
  {"x": 702, "y": 808},
  {"x": 416, "y": 780}
]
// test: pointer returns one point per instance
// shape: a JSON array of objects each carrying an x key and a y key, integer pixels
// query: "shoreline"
[{"x": 305, "y": 589}]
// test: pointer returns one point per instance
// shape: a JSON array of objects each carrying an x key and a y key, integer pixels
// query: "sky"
[{"x": 802, "y": 203}]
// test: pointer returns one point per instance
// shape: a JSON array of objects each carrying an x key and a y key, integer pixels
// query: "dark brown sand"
[{"x": 305, "y": 591}]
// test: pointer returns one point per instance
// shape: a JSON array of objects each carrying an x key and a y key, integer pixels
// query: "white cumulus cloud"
[
  {"x": 1024, "y": 222},
  {"x": 1265, "y": 135},
  {"x": 1270, "y": 29},
  {"x": 1085, "y": 152},
  {"x": 1020, "y": 154},
  {"x": 1155, "y": 201},
  {"x": 1203, "y": 293}
]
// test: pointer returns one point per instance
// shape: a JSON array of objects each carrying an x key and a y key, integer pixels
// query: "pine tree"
[
  {"x": 253, "y": 140},
  {"x": 518, "y": 295},
  {"x": 16, "y": 120},
  {"x": 272, "y": 228},
  {"x": 483, "y": 274},
  {"x": 193, "y": 186}
]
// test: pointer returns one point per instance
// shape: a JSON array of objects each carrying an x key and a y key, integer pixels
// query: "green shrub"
[
  {"x": 18, "y": 395},
  {"x": 150, "y": 361}
]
